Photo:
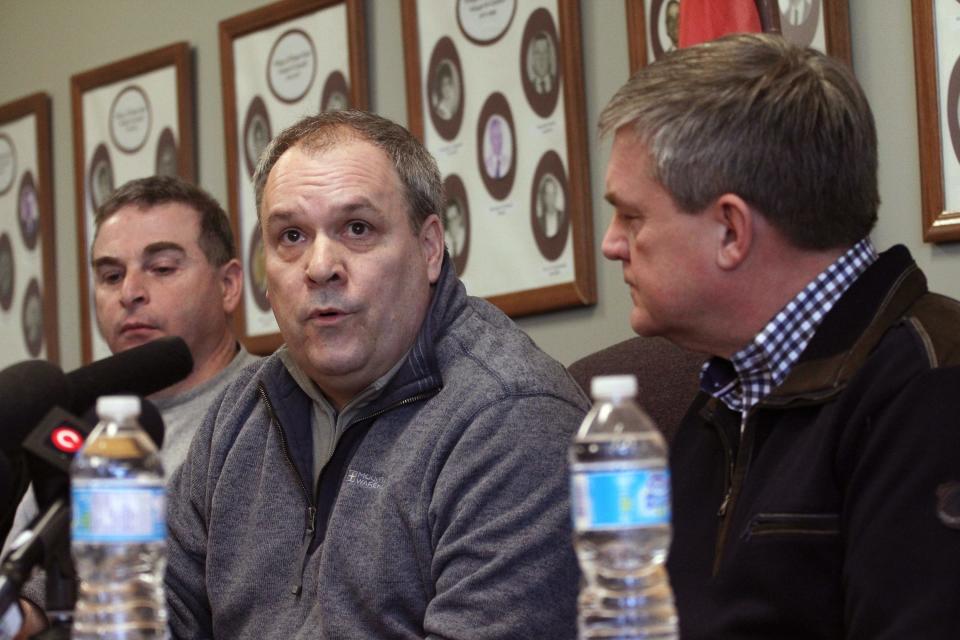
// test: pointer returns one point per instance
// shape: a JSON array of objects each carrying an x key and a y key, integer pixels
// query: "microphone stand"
[
  {"x": 49, "y": 544},
  {"x": 61, "y": 591}
]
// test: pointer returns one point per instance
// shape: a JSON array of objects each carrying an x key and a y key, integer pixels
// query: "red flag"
[{"x": 704, "y": 20}]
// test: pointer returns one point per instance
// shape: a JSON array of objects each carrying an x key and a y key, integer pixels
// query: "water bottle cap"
[
  {"x": 118, "y": 407},
  {"x": 612, "y": 387}
]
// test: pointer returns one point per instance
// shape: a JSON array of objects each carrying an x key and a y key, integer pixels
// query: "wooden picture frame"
[
  {"x": 495, "y": 91},
  {"x": 131, "y": 119},
  {"x": 278, "y": 63},
  {"x": 28, "y": 273},
  {"x": 825, "y": 24},
  {"x": 937, "y": 61}
]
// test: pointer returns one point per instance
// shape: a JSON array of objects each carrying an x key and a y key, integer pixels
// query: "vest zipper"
[
  {"x": 738, "y": 473},
  {"x": 311, "y": 510},
  {"x": 380, "y": 412}
]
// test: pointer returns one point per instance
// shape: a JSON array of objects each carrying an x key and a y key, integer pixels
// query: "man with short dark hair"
[
  {"x": 812, "y": 474},
  {"x": 397, "y": 469},
  {"x": 164, "y": 264}
]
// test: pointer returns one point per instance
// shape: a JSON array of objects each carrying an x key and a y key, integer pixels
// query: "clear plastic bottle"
[
  {"x": 621, "y": 516},
  {"x": 118, "y": 528}
]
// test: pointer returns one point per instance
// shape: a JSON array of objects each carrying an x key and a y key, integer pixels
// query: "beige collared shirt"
[{"x": 329, "y": 426}]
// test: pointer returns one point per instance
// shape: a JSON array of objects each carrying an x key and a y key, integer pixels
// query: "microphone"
[
  {"x": 29, "y": 389},
  {"x": 50, "y": 448},
  {"x": 139, "y": 371},
  {"x": 52, "y": 445}
]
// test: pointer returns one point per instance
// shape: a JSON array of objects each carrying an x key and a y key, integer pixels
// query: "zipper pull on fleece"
[
  {"x": 722, "y": 511},
  {"x": 305, "y": 548}
]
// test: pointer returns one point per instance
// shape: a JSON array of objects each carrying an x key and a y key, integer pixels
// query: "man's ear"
[
  {"x": 431, "y": 242},
  {"x": 734, "y": 218},
  {"x": 231, "y": 284}
]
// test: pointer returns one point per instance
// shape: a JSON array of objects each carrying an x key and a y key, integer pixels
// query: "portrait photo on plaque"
[
  {"x": 256, "y": 133},
  {"x": 936, "y": 35},
  {"x": 445, "y": 88},
  {"x": 456, "y": 221},
  {"x": 539, "y": 63},
  {"x": 548, "y": 208},
  {"x": 496, "y": 143},
  {"x": 28, "y": 279},
  {"x": 7, "y": 266},
  {"x": 132, "y": 118},
  {"x": 166, "y": 163},
  {"x": 279, "y": 63},
  {"x": 28, "y": 210},
  {"x": 336, "y": 93},
  {"x": 493, "y": 89}
]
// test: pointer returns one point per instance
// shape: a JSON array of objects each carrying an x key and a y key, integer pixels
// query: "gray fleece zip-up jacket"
[{"x": 443, "y": 512}]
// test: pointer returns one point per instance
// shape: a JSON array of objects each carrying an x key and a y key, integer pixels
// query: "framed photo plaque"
[
  {"x": 495, "y": 91},
  {"x": 132, "y": 118},
  {"x": 28, "y": 279},
  {"x": 279, "y": 63},
  {"x": 653, "y": 26},
  {"x": 936, "y": 46}
]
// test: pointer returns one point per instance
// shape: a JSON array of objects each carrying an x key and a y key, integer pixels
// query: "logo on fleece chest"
[{"x": 364, "y": 480}]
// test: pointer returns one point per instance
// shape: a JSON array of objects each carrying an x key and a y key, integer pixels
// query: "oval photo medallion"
[
  {"x": 257, "y": 268},
  {"x": 6, "y": 272},
  {"x": 336, "y": 93},
  {"x": 256, "y": 133},
  {"x": 953, "y": 107},
  {"x": 28, "y": 210},
  {"x": 291, "y": 66},
  {"x": 497, "y": 146},
  {"x": 31, "y": 319},
  {"x": 445, "y": 89},
  {"x": 549, "y": 211},
  {"x": 456, "y": 222},
  {"x": 100, "y": 176},
  {"x": 130, "y": 119},
  {"x": 485, "y": 21},
  {"x": 8, "y": 163},
  {"x": 664, "y": 27},
  {"x": 167, "y": 163},
  {"x": 540, "y": 68},
  {"x": 799, "y": 20}
]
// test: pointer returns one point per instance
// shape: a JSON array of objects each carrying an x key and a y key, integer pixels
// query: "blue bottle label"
[
  {"x": 620, "y": 499},
  {"x": 117, "y": 511}
]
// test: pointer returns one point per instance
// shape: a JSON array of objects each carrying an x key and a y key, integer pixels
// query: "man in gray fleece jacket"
[{"x": 398, "y": 469}]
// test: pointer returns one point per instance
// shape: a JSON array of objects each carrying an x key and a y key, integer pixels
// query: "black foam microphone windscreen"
[
  {"x": 27, "y": 391},
  {"x": 139, "y": 371}
]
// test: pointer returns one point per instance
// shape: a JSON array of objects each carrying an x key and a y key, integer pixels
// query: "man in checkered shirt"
[{"x": 816, "y": 476}]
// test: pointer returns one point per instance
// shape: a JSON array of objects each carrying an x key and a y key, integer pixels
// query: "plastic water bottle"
[
  {"x": 118, "y": 528},
  {"x": 621, "y": 517}
]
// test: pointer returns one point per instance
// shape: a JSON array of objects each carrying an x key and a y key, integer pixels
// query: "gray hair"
[
  {"x": 415, "y": 167},
  {"x": 786, "y": 128}
]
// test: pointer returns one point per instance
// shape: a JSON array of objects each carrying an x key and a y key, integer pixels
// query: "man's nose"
[
  {"x": 324, "y": 261},
  {"x": 134, "y": 289},
  {"x": 614, "y": 245}
]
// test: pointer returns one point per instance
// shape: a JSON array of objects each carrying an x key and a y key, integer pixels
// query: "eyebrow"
[
  {"x": 149, "y": 251},
  {"x": 357, "y": 205}
]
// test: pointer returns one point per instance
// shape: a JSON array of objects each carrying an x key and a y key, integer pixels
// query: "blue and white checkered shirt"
[{"x": 757, "y": 369}]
